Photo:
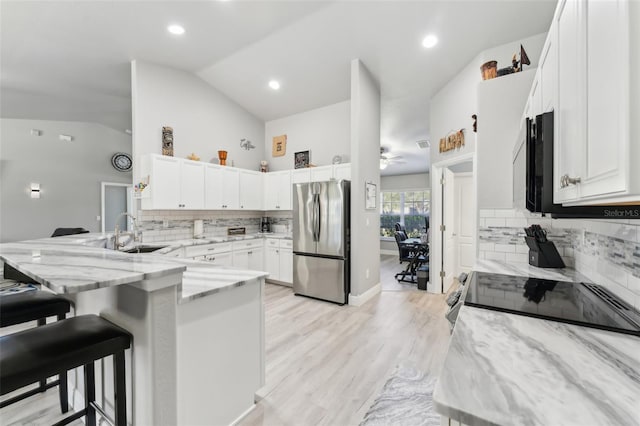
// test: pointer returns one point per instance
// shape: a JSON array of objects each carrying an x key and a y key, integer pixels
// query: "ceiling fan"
[{"x": 386, "y": 158}]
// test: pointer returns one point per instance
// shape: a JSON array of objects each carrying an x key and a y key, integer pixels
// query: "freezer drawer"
[{"x": 320, "y": 277}]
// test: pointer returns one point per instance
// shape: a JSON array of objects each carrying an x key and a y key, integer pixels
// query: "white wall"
[
  {"x": 203, "y": 119},
  {"x": 365, "y": 167},
  {"x": 69, "y": 174},
  {"x": 405, "y": 182},
  {"x": 323, "y": 131},
  {"x": 501, "y": 102}
]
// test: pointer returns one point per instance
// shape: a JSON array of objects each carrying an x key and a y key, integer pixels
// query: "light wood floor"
[{"x": 325, "y": 363}]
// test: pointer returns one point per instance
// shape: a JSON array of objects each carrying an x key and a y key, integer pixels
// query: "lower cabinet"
[
  {"x": 251, "y": 259},
  {"x": 279, "y": 260}
]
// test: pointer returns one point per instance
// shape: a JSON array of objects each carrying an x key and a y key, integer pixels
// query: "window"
[{"x": 407, "y": 207}]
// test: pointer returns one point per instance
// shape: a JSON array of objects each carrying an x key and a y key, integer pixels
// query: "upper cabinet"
[
  {"x": 591, "y": 62},
  {"x": 173, "y": 183},
  {"x": 251, "y": 190},
  {"x": 277, "y": 190},
  {"x": 222, "y": 185}
]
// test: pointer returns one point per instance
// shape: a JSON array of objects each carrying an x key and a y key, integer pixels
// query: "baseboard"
[
  {"x": 243, "y": 415},
  {"x": 361, "y": 299},
  {"x": 389, "y": 252}
]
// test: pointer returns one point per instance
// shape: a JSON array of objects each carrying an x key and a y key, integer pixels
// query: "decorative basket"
[{"x": 489, "y": 70}]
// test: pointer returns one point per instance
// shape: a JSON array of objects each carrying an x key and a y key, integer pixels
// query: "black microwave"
[{"x": 537, "y": 151}]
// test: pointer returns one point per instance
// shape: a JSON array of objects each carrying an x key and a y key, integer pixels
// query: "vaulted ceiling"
[{"x": 70, "y": 60}]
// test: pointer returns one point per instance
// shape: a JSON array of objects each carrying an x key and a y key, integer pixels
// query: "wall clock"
[{"x": 121, "y": 161}]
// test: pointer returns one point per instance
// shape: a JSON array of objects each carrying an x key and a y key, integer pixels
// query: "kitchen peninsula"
[{"x": 198, "y": 347}]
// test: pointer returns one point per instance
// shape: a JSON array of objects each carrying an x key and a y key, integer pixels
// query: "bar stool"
[
  {"x": 32, "y": 355},
  {"x": 35, "y": 306}
]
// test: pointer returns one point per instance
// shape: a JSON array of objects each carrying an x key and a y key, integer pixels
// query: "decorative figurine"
[
  {"x": 222, "y": 156},
  {"x": 193, "y": 157},
  {"x": 475, "y": 123},
  {"x": 264, "y": 167},
  {"x": 167, "y": 141}
]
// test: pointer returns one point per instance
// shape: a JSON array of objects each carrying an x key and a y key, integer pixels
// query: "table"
[{"x": 420, "y": 255}]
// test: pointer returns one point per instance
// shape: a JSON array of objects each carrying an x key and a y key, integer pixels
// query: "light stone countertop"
[
  {"x": 506, "y": 369},
  {"x": 76, "y": 263}
]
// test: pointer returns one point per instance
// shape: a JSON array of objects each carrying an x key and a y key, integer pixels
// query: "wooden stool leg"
[
  {"x": 119, "y": 381},
  {"x": 90, "y": 393}
]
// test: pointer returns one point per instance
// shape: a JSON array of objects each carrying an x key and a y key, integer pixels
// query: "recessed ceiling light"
[
  {"x": 429, "y": 41},
  {"x": 176, "y": 29},
  {"x": 274, "y": 84}
]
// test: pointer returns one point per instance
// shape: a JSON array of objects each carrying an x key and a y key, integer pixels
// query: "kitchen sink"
[{"x": 143, "y": 249}]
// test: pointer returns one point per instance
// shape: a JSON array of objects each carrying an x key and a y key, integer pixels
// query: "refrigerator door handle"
[{"x": 316, "y": 217}]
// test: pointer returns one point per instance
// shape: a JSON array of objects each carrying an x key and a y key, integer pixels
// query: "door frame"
[
  {"x": 436, "y": 242},
  {"x": 130, "y": 204},
  {"x": 458, "y": 218}
]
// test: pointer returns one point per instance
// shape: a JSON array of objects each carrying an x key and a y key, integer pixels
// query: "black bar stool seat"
[
  {"x": 30, "y": 306},
  {"x": 32, "y": 355}
]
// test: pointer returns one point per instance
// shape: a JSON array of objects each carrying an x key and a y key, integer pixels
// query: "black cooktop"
[{"x": 575, "y": 303}]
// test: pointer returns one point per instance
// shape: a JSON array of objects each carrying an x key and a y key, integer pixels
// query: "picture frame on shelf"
[{"x": 301, "y": 159}]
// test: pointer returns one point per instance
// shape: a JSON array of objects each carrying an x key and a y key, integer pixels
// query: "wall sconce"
[
  {"x": 35, "y": 190},
  {"x": 246, "y": 144}
]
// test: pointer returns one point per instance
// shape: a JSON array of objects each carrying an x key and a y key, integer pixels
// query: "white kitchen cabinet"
[
  {"x": 278, "y": 260},
  {"x": 286, "y": 265},
  {"x": 251, "y": 190},
  {"x": 301, "y": 176},
  {"x": 547, "y": 71},
  {"x": 277, "y": 190},
  {"x": 342, "y": 171},
  {"x": 321, "y": 174},
  {"x": 220, "y": 259},
  {"x": 222, "y": 185},
  {"x": 174, "y": 183},
  {"x": 592, "y": 150}
]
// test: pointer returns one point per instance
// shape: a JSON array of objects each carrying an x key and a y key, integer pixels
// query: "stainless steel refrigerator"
[{"x": 321, "y": 240}]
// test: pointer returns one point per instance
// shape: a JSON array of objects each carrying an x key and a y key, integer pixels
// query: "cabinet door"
[
  {"x": 286, "y": 265},
  {"x": 256, "y": 259},
  {"x": 570, "y": 125},
  {"x": 548, "y": 71},
  {"x": 321, "y": 174},
  {"x": 250, "y": 190},
  {"x": 213, "y": 187},
  {"x": 241, "y": 259},
  {"x": 192, "y": 185},
  {"x": 230, "y": 189},
  {"x": 272, "y": 262},
  {"x": 301, "y": 176},
  {"x": 284, "y": 191},
  {"x": 536, "y": 95},
  {"x": 342, "y": 172},
  {"x": 271, "y": 181},
  {"x": 165, "y": 183},
  {"x": 222, "y": 259},
  {"x": 607, "y": 142}
]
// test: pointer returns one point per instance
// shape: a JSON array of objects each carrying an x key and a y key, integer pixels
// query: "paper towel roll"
[{"x": 198, "y": 229}]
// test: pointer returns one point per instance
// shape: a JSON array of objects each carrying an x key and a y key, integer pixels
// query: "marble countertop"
[
  {"x": 178, "y": 244},
  {"x": 526, "y": 270},
  {"x": 505, "y": 369},
  {"x": 76, "y": 263}
]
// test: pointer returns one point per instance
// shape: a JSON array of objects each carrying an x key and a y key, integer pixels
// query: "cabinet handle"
[
  {"x": 565, "y": 181},
  {"x": 250, "y": 252},
  {"x": 211, "y": 249}
]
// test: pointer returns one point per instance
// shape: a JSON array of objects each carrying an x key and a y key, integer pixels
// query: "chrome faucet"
[{"x": 136, "y": 233}]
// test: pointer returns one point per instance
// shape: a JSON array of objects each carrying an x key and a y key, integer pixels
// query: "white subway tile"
[
  {"x": 516, "y": 223},
  {"x": 522, "y": 248},
  {"x": 505, "y": 248},
  {"x": 504, "y": 213},
  {"x": 482, "y": 254},
  {"x": 486, "y": 246},
  {"x": 482, "y": 223},
  {"x": 495, "y": 256},
  {"x": 496, "y": 223},
  {"x": 487, "y": 213},
  {"x": 517, "y": 257}
]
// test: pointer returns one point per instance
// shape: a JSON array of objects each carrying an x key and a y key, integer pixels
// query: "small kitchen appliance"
[
  {"x": 584, "y": 304},
  {"x": 265, "y": 225}
]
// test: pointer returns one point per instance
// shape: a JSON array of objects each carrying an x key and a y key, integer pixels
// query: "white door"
[
  {"x": 230, "y": 189},
  {"x": 165, "y": 183},
  {"x": 286, "y": 265},
  {"x": 250, "y": 190},
  {"x": 272, "y": 262},
  {"x": 465, "y": 222},
  {"x": 192, "y": 185},
  {"x": 448, "y": 234}
]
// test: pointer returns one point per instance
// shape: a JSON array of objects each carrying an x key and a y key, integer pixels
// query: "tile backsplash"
[
  {"x": 170, "y": 225},
  {"x": 605, "y": 251}
]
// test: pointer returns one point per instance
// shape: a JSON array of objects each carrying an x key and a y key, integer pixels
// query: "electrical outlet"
[
  {"x": 98, "y": 218},
  {"x": 165, "y": 223},
  {"x": 366, "y": 273}
]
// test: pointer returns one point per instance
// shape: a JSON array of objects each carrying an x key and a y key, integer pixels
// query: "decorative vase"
[{"x": 222, "y": 157}]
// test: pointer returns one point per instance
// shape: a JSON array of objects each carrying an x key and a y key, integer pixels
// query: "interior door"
[
  {"x": 448, "y": 234},
  {"x": 465, "y": 222}
]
